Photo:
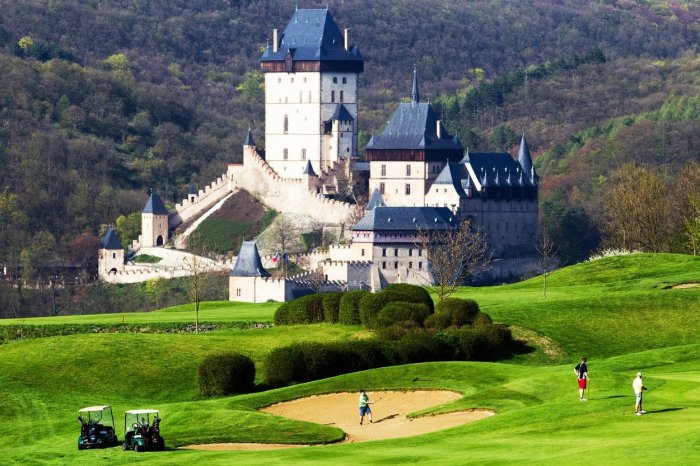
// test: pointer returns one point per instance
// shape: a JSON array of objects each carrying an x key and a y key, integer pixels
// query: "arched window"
[{"x": 286, "y": 124}]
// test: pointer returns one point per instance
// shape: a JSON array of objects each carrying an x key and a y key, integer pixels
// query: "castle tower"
[
  {"x": 311, "y": 95},
  {"x": 110, "y": 256},
  {"x": 154, "y": 222},
  {"x": 246, "y": 281}
]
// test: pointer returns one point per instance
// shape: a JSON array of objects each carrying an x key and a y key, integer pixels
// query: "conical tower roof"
[
  {"x": 249, "y": 138},
  {"x": 309, "y": 169},
  {"x": 415, "y": 96},
  {"x": 111, "y": 240},
  {"x": 248, "y": 263},
  {"x": 155, "y": 205},
  {"x": 376, "y": 200},
  {"x": 524, "y": 157}
]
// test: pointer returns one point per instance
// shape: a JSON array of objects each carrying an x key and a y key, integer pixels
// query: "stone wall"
[{"x": 203, "y": 200}]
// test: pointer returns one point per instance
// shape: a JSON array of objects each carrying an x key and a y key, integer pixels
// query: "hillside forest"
[{"x": 102, "y": 101}]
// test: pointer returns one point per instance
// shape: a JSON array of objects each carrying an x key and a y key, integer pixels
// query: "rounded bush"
[
  {"x": 398, "y": 330},
  {"x": 331, "y": 306},
  {"x": 306, "y": 310},
  {"x": 412, "y": 293},
  {"x": 371, "y": 304},
  {"x": 482, "y": 319},
  {"x": 282, "y": 315},
  {"x": 349, "y": 311},
  {"x": 453, "y": 313},
  {"x": 225, "y": 374},
  {"x": 397, "y": 312},
  {"x": 422, "y": 347}
]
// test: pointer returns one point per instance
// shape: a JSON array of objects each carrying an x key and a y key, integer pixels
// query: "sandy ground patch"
[
  {"x": 686, "y": 285},
  {"x": 389, "y": 412}
]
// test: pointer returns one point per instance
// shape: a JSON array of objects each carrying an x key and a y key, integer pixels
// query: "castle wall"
[
  {"x": 400, "y": 183},
  {"x": 194, "y": 205},
  {"x": 284, "y": 194}
]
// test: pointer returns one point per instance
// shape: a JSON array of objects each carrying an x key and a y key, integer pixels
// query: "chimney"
[
  {"x": 345, "y": 34},
  {"x": 438, "y": 129},
  {"x": 274, "y": 40}
]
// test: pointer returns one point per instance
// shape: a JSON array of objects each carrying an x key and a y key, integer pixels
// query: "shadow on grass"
[
  {"x": 519, "y": 347},
  {"x": 665, "y": 410}
]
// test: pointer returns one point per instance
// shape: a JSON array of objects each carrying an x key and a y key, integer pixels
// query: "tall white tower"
[{"x": 311, "y": 94}]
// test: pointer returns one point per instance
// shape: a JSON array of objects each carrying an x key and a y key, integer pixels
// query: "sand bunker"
[
  {"x": 389, "y": 413},
  {"x": 686, "y": 285}
]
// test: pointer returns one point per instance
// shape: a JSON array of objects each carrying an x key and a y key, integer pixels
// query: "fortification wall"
[
  {"x": 142, "y": 273},
  {"x": 289, "y": 195},
  {"x": 203, "y": 200}
]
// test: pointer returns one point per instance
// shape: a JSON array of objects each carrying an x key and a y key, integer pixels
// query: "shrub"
[
  {"x": 397, "y": 312},
  {"x": 367, "y": 354},
  {"x": 398, "y": 330},
  {"x": 282, "y": 365},
  {"x": 282, "y": 315},
  {"x": 483, "y": 343},
  {"x": 349, "y": 312},
  {"x": 224, "y": 374},
  {"x": 372, "y": 303},
  {"x": 453, "y": 313},
  {"x": 465, "y": 343},
  {"x": 331, "y": 306},
  {"x": 302, "y": 362},
  {"x": 482, "y": 319},
  {"x": 306, "y": 310},
  {"x": 413, "y": 294},
  {"x": 422, "y": 347}
]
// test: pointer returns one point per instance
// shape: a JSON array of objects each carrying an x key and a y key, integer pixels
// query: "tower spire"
[{"x": 414, "y": 94}]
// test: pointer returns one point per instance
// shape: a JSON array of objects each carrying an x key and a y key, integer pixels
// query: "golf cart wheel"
[
  {"x": 138, "y": 448},
  {"x": 160, "y": 444},
  {"x": 125, "y": 446}
]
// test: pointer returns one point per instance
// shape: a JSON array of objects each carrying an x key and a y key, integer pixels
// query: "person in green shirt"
[{"x": 364, "y": 406}]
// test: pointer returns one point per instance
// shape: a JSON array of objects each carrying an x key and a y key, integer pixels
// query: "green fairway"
[{"x": 619, "y": 312}]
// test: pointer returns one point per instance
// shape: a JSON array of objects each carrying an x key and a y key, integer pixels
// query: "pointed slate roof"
[
  {"x": 415, "y": 96},
  {"x": 414, "y": 126},
  {"x": 111, "y": 240},
  {"x": 498, "y": 170},
  {"x": 524, "y": 158},
  {"x": 406, "y": 219},
  {"x": 375, "y": 200},
  {"x": 312, "y": 35},
  {"x": 248, "y": 263},
  {"x": 455, "y": 174},
  {"x": 309, "y": 169},
  {"x": 192, "y": 190},
  {"x": 341, "y": 113},
  {"x": 249, "y": 139},
  {"x": 155, "y": 205}
]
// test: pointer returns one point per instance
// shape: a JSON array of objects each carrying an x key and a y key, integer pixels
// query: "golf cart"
[
  {"x": 96, "y": 428},
  {"x": 138, "y": 434}
]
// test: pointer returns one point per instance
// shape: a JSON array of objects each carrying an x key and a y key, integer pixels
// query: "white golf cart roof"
[
  {"x": 90, "y": 409},
  {"x": 142, "y": 411}
]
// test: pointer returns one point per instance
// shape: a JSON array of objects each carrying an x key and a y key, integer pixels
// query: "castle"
[{"x": 421, "y": 178}]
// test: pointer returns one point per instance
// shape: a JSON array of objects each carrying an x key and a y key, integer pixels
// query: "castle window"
[
  {"x": 279, "y": 80},
  {"x": 303, "y": 154},
  {"x": 304, "y": 79},
  {"x": 408, "y": 189},
  {"x": 301, "y": 96},
  {"x": 383, "y": 170},
  {"x": 291, "y": 80},
  {"x": 396, "y": 265},
  {"x": 384, "y": 265},
  {"x": 381, "y": 188},
  {"x": 309, "y": 96},
  {"x": 420, "y": 252},
  {"x": 285, "y": 124},
  {"x": 383, "y": 252},
  {"x": 335, "y": 80},
  {"x": 285, "y": 153},
  {"x": 114, "y": 255},
  {"x": 332, "y": 96},
  {"x": 396, "y": 252},
  {"x": 238, "y": 292},
  {"x": 362, "y": 253},
  {"x": 408, "y": 170},
  {"x": 420, "y": 265},
  {"x": 410, "y": 265},
  {"x": 345, "y": 80},
  {"x": 341, "y": 96}
]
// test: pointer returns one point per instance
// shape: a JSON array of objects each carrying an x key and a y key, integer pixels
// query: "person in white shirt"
[{"x": 639, "y": 388}]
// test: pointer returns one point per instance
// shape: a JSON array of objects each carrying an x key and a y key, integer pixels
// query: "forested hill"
[{"x": 101, "y": 100}]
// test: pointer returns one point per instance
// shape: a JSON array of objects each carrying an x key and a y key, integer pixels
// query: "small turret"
[
  {"x": 415, "y": 96},
  {"x": 525, "y": 160},
  {"x": 154, "y": 222},
  {"x": 110, "y": 256}
]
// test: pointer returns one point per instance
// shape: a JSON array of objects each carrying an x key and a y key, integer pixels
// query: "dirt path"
[{"x": 389, "y": 414}]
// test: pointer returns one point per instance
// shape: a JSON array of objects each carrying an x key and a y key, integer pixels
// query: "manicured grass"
[
  {"x": 213, "y": 311},
  {"x": 147, "y": 259},
  {"x": 617, "y": 311}
]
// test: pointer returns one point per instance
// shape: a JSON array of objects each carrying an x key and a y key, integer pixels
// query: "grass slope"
[{"x": 539, "y": 421}]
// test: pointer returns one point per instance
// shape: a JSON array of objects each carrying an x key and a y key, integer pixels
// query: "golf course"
[{"x": 637, "y": 312}]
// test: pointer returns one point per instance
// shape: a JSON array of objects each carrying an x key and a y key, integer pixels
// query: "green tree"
[
  {"x": 252, "y": 87},
  {"x": 118, "y": 62},
  {"x": 26, "y": 44},
  {"x": 129, "y": 228}
]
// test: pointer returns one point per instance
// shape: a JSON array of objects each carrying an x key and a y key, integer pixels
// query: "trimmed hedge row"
[
  {"x": 223, "y": 374},
  {"x": 452, "y": 313},
  {"x": 303, "y": 362},
  {"x": 305, "y": 310},
  {"x": 349, "y": 313}
]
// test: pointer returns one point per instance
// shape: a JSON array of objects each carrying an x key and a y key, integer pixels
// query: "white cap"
[{"x": 639, "y": 374}]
